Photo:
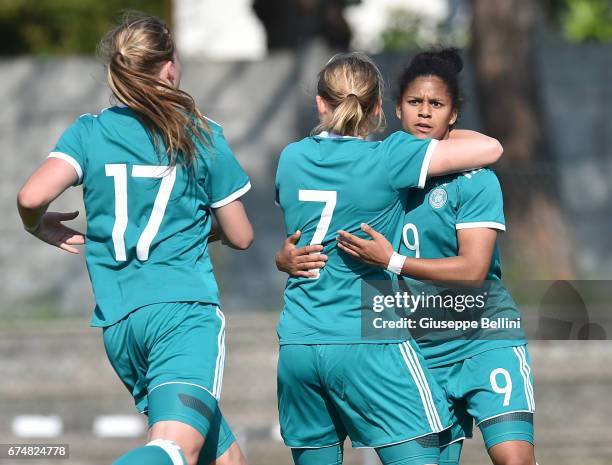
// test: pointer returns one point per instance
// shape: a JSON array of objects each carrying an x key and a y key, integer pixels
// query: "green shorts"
[
  {"x": 170, "y": 356},
  {"x": 494, "y": 388},
  {"x": 377, "y": 394}
]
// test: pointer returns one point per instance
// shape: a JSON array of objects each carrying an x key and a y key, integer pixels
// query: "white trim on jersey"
[
  {"x": 171, "y": 448},
  {"x": 211, "y": 120},
  {"x": 331, "y": 135},
  {"x": 481, "y": 224},
  {"x": 421, "y": 382},
  {"x": 426, "y": 161},
  {"x": 525, "y": 372},
  {"x": 524, "y": 369},
  {"x": 316, "y": 447},
  {"x": 230, "y": 198},
  {"x": 455, "y": 440},
  {"x": 181, "y": 382},
  {"x": 69, "y": 159},
  {"x": 220, "y": 363}
]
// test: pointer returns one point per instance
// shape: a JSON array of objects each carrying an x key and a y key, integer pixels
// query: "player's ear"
[
  {"x": 377, "y": 109},
  {"x": 322, "y": 106},
  {"x": 398, "y": 111},
  {"x": 453, "y": 118}
]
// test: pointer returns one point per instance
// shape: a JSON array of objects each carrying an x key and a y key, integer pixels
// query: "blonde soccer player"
[{"x": 154, "y": 172}]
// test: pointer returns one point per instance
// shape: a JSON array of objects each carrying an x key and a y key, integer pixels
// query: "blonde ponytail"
[
  {"x": 135, "y": 52},
  {"x": 351, "y": 85}
]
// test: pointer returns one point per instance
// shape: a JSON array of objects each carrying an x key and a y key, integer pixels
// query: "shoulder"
[
  {"x": 299, "y": 148},
  {"x": 85, "y": 121},
  {"x": 401, "y": 142},
  {"x": 478, "y": 180},
  {"x": 397, "y": 137},
  {"x": 214, "y": 126}
]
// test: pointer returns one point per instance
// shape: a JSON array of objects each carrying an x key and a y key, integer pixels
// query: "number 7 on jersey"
[{"x": 329, "y": 199}]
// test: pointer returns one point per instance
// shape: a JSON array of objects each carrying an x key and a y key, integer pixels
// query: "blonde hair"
[
  {"x": 135, "y": 51},
  {"x": 352, "y": 86}
]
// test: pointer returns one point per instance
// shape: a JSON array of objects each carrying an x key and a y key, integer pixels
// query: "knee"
[
  {"x": 191, "y": 454},
  {"x": 233, "y": 456},
  {"x": 515, "y": 460}
]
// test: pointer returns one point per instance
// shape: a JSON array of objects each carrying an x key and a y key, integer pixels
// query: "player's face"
[{"x": 426, "y": 109}]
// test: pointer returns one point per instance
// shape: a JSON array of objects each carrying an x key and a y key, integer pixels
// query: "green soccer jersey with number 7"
[
  {"x": 326, "y": 183},
  {"x": 147, "y": 223},
  {"x": 433, "y": 216}
]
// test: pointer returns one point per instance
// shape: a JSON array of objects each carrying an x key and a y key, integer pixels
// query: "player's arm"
[
  {"x": 464, "y": 150},
  {"x": 52, "y": 178},
  {"x": 299, "y": 261},
  {"x": 234, "y": 227},
  {"x": 476, "y": 247}
]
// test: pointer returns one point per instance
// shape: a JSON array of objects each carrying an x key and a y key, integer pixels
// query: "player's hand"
[
  {"x": 375, "y": 252},
  {"x": 51, "y": 230},
  {"x": 302, "y": 262}
]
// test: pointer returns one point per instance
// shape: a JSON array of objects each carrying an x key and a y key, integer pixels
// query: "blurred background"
[{"x": 538, "y": 76}]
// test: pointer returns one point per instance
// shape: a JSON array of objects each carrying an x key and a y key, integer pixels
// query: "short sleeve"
[
  {"x": 71, "y": 146},
  {"x": 481, "y": 203},
  {"x": 407, "y": 159},
  {"x": 227, "y": 181}
]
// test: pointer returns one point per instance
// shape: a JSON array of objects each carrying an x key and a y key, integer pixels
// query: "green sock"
[{"x": 158, "y": 452}]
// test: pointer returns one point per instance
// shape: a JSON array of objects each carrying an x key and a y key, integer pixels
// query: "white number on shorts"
[
  {"x": 119, "y": 174},
  {"x": 414, "y": 244},
  {"x": 327, "y": 197},
  {"x": 506, "y": 389}
]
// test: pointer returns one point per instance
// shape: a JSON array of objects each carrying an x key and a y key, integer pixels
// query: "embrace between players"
[{"x": 155, "y": 173}]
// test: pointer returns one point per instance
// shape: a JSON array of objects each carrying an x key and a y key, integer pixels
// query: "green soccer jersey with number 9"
[
  {"x": 327, "y": 183},
  {"x": 472, "y": 199},
  {"x": 147, "y": 223}
]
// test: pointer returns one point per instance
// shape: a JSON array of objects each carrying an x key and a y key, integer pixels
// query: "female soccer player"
[
  {"x": 152, "y": 168},
  {"x": 449, "y": 234},
  {"x": 331, "y": 382}
]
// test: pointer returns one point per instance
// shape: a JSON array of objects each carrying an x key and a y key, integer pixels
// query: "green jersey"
[
  {"x": 147, "y": 223},
  {"x": 327, "y": 183},
  {"x": 433, "y": 216}
]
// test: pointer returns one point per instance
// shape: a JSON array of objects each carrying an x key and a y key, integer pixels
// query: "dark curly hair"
[{"x": 444, "y": 63}]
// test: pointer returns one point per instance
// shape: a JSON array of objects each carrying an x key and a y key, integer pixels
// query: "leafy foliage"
[
  {"x": 58, "y": 27},
  {"x": 582, "y": 20}
]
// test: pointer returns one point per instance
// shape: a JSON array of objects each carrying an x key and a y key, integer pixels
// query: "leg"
[
  {"x": 158, "y": 452},
  {"x": 512, "y": 453},
  {"x": 332, "y": 455},
  {"x": 509, "y": 439},
  {"x": 232, "y": 456},
  {"x": 181, "y": 386},
  {"x": 451, "y": 453},
  {"x": 420, "y": 451},
  {"x": 499, "y": 394},
  {"x": 221, "y": 447},
  {"x": 451, "y": 439},
  {"x": 186, "y": 437}
]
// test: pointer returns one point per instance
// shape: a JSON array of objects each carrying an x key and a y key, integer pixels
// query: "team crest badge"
[{"x": 438, "y": 198}]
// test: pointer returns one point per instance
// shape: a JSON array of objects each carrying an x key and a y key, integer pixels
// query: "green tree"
[
  {"x": 58, "y": 27},
  {"x": 581, "y": 20}
]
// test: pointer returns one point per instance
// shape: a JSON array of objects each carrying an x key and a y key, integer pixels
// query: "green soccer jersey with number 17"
[
  {"x": 147, "y": 223},
  {"x": 324, "y": 184},
  {"x": 433, "y": 216}
]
